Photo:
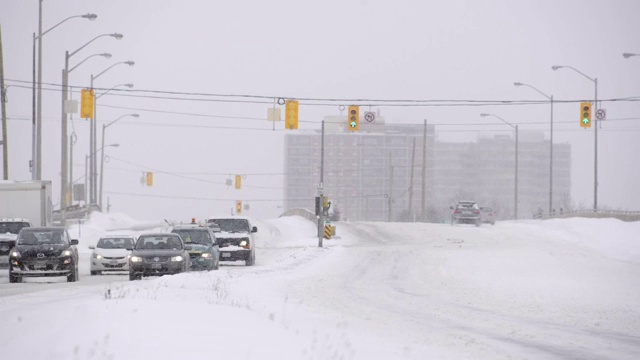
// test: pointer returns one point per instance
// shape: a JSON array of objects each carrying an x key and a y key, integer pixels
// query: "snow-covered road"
[{"x": 556, "y": 289}]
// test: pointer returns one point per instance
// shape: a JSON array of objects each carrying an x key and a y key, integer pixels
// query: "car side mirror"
[
  {"x": 92, "y": 247},
  {"x": 74, "y": 242},
  {"x": 254, "y": 229},
  {"x": 188, "y": 247}
]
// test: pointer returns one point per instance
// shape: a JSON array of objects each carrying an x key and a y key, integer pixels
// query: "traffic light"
[
  {"x": 149, "y": 179},
  {"x": 291, "y": 114},
  {"x": 353, "y": 118},
  {"x": 585, "y": 114},
  {"x": 238, "y": 207},
  {"x": 86, "y": 103},
  {"x": 238, "y": 182}
]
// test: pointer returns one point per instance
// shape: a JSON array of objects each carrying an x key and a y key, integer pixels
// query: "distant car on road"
[
  {"x": 235, "y": 238},
  {"x": 204, "y": 251},
  {"x": 466, "y": 212},
  {"x": 156, "y": 254},
  {"x": 43, "y": 251},
  {"x": 111, "y": 253},
  {"x": 487, "y": 215}
]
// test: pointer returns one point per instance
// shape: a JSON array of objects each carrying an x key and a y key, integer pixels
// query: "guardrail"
[{"x": 590, "y": 213}]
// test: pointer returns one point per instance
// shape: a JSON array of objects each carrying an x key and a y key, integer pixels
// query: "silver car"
[{"x": 111, "y": 254}]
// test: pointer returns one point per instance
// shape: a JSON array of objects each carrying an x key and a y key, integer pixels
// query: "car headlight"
[
  {"x": 135, "y": 259},
  {"x": 97, "y": 256},
  {"x": 15, "y": 254},
  {"x": 244, "y": 243},
  {"x": 66, "y": 253},
  {"x": 205, "y": 255},
  {"x": 176, "y": 258}
]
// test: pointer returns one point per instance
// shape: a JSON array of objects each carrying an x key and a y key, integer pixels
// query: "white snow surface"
[{"x": 552, "y": 289}]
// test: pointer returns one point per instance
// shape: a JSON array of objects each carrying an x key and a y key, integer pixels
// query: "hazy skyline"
[{"x": 453, "y": 50}]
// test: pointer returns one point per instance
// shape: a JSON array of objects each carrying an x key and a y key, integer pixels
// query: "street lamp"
[
  {"x": 595, "y": 124},
  {"x": 65, "y": 81},
  {"x": 36, "y": 148},
  {"x": 93, "y": 137},
  {"x": 550, "y": 97},
  {"x": 104, "y": 127},
  {"x": 515, "y": 187},
  {"x": 628, "y": 55}
]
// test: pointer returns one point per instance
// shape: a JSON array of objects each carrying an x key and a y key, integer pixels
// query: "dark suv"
[
  {"x": 43, "y": 251},
  {"x": 466, "y": 212}
]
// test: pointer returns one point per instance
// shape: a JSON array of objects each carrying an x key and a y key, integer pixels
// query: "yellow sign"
[
  {"x": 291, "y": 114},
  {"x": 87, "y": 102}
]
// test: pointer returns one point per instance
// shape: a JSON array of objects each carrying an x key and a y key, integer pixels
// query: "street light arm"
[
  {"x": 556, "y": 67},
  {"x": 115, "y": 35},
  {"x": 86, "y": 16},
  {"x": 532, "y": 87},
  {"x": 106, "y": 55},
  {"x": 628, "y": 55},
  {"x": 130, "y": 63},
  {"x": 125, "y": 115},
  {"x": 498, "y": 117},
  {"x": 106, "y": 92}
]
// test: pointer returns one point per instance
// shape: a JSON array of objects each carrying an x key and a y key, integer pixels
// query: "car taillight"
[
  {"x": 456, "y": 212},
  {"x": 476, "y": 211}
]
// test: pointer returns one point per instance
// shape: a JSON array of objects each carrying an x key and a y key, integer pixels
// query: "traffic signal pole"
[{"x": 321, "y": 218}]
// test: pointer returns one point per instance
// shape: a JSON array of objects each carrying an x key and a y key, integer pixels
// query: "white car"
[{"x": 111, "y": 254}]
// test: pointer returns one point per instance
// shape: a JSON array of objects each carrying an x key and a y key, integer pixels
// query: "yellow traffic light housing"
[
  {"x": 585, "y": 114},
  {"x": 238, "y": 207},
  {"x": 87, "y": 98},
  {"x": 238, "y": 182},
  {"x": 149, "y": 179},
  {"x": 353, "y": 118},
  {"x": 291, "y": 114}
]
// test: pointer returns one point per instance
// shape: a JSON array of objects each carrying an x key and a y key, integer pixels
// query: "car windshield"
[
  {"x": 115, "y": 243},
  {"x": 12, "y": 227},
  {"x": 41, "y": 237},
  {"x": 166, "y": 242},
  {"x": 194, "y": 236},
  {"x": 232, "y": 225}
]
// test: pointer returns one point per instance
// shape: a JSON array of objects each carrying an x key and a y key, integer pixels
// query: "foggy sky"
[{"x": 446, "y": 50}]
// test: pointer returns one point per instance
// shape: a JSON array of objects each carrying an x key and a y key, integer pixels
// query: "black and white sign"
[
  {"x": 369, "y": 116},
  {"x": 601, "y": 114}
]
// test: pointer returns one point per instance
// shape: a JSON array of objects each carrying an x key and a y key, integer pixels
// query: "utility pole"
[
  {"x": 389, "y": 197},
  {"x": 320, "y": 190},
  {"x": 424, "y": 172},
  {"x": 413, "y": 160},
  {"x": 3, "y": 103}
]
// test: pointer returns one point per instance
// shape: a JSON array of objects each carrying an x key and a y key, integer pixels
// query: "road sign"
[
  {"x": 601, "y": 114},
  {"x": 369, "y": 116}
]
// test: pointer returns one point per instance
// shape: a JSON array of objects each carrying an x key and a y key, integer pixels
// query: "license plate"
[
  {"x": 156, "y": 266},
  {"x": 113, "y": 262},
  {"x": 41, "y": 265},
  {"x": 226, "y": 255}
]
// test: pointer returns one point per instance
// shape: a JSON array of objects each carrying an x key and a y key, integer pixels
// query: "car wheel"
[
  {"x": 250, "y": 260},
  {"x": 133, "y": 277},
  {"x": 74, "y": 275},
  {"x": 216, "y": 266},
  {"x": 14, "y": 278},
  {"x": 478, "y": 223},
  {"x": 95, "y": 272}
]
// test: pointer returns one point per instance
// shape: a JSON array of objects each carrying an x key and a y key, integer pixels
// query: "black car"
[
  {"x": 43, "y": 251},
  {"x": 158, "y": 254},
  {"x": 204, "y": 252}
]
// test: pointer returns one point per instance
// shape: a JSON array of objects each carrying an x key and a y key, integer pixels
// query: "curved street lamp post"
[
  {"x": 550, "y": 97},
  {"x": 595, "y": 125},
  {"x": 515, "y": 186},
  {"x": 104, "y": 127},
  {"x": 36, "y": 148},
  {"x": 93, "y": 137}
]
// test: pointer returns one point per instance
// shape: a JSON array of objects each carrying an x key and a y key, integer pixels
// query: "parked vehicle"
[
  {"x": 44, "y": 251},
  {"x": 204, "y": 251},
  {"x": 466, "y": 212},
  {"x": 111, "y": 253},
  {"x": 156, "y": 254},
  {"x": 9, "y": 229},
  {"x": 235, "y": 238},
  {"x": 27, "y": 200},
  {"x": 487, "y": 215}
]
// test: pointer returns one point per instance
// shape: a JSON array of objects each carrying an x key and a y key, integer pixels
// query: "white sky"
[
  {"x": 464, "y": 50},
  {"x": 553, "y": 289}
]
